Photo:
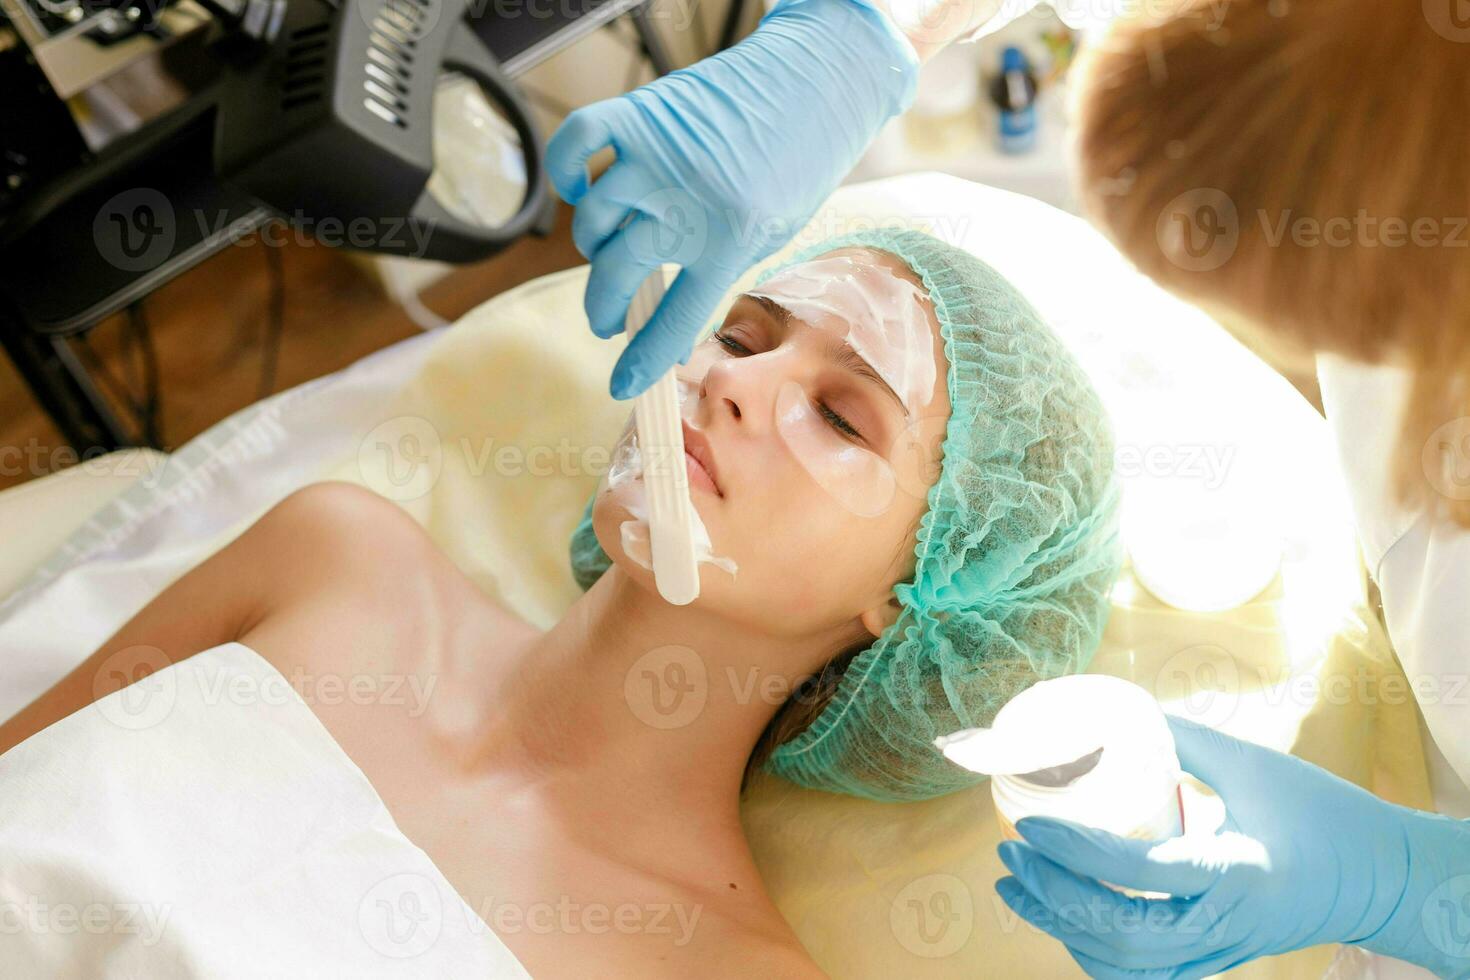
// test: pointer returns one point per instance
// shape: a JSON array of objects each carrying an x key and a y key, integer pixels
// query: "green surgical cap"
[{"x": 1014, "y": 558}]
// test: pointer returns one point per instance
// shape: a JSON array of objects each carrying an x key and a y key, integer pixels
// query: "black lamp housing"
[{"x": 326, "y": 111}]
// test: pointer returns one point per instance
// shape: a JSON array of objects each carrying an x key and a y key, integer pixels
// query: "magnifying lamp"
[{"x": 326, "y": 110}]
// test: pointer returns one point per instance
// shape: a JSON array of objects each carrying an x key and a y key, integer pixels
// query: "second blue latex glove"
[
  {"x": 721, "y": 163},
  {"x": 1303, "y": 858}
]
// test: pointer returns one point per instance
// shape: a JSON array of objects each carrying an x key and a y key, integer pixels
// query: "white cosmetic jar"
[{"x": 1090, "y": 748}]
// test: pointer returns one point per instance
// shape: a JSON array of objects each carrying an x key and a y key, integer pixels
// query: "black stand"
[
  {"x": 88, "y": 245},
  {"x": 63, "y": 388}
]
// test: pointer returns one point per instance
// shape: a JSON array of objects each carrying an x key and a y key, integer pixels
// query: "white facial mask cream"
[
  {"x": 627, "y": 470},
  {"x": 1088, "y": 748},
  {"x": 884, "y": 318},
  {"x": 881, "y": 316}
]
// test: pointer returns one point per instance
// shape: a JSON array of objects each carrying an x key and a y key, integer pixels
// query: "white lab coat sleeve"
[
  {"x": 1421, "y": 565},
  {"x": 991, "y": 15}
]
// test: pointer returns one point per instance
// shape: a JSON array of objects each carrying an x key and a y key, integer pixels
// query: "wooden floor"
[{"x": 208, "y": 328}]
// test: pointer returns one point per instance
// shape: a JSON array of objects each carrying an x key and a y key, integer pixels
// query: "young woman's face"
[{"x": 813, "y": 423}]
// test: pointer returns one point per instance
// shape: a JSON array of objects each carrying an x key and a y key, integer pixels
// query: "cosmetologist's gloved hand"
[
  {"x": 1303, "y": 858},
  {"x": 721, "y": 163}
]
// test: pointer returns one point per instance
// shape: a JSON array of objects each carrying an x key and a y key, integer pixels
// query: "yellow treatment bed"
[{"x": 494, "y": 433}]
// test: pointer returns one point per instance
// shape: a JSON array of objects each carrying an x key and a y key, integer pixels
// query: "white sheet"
[
  {"x": 162, "y": 526},
  {"x": 203, "y": 823}
]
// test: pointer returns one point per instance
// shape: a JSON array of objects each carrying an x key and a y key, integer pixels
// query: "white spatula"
[{"x": 661, "y": 443}]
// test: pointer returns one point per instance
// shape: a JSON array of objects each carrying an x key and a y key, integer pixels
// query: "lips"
[{"x": 701, "y": 458}]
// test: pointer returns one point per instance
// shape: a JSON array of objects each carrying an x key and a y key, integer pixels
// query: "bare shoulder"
[
  {"x": 352, "y": 571},
  {"x": 339, "y": 523},
  {"x": 331, "y": 568},
  {"x": 340, "y": 539}
]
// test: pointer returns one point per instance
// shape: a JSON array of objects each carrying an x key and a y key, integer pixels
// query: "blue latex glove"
[
  {"x": 720, "y": 164},
  {"x": 1303, "y": 858}
]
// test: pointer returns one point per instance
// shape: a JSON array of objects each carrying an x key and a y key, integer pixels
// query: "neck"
[{"x": 651, "y": 701}]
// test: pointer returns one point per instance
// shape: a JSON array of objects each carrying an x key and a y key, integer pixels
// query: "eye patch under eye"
[{"x": 856, "y": 477}]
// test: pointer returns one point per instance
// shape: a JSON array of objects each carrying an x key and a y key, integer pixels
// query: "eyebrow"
[
  {"x": 773, "y": 309},
  {"x": 837, "y": 352}
]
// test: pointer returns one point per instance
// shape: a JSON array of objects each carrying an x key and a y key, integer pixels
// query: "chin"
[{"x": 611, "y": 510}]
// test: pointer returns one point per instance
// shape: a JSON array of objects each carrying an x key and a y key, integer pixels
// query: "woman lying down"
[{"x": 912, "y": 481}]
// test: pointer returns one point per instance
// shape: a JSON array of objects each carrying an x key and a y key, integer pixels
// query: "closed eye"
[
  {"x": 736, "y": 349},
  {"x": 838, "y": 422},
  {"x": 731, "y": 344}
]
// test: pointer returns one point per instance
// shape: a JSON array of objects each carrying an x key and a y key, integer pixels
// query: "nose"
[{"x": 742, "y": 390}]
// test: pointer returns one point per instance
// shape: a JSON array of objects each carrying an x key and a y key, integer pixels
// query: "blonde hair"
[{"x": 1305, "y": 165}]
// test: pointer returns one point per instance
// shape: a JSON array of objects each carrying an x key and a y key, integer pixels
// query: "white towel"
[{"x": 203, "y": 823}]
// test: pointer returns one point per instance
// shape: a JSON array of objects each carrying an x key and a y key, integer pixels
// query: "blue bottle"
[{"x": 1014, "y": 95}]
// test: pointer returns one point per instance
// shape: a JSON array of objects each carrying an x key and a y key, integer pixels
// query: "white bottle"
[{"x": 1088, "y": 748}]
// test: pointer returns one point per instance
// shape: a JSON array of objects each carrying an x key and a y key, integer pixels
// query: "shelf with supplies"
[{"x": 955, "y": 123}]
